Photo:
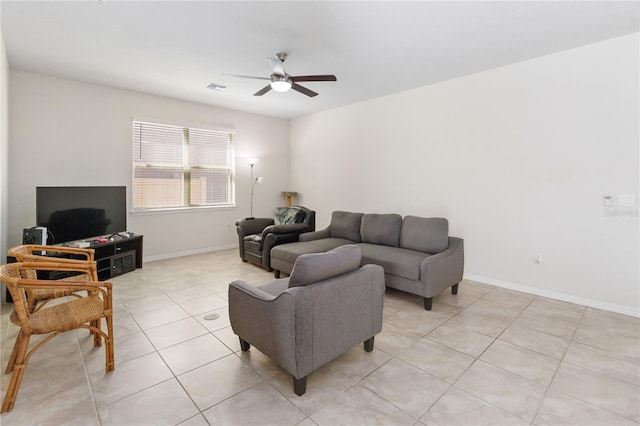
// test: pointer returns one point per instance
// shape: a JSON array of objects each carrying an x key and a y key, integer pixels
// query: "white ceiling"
[{"x": 175, "y": 48}]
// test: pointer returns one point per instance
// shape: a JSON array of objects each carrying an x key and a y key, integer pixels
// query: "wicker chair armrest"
[
  {"x": 55, "y": 265},
  {"x": 87, "y": 253},
  {"x": 37, "y": 258},
  {"x": 71, "y": 285},
  {"x": 86, "y": 268}
]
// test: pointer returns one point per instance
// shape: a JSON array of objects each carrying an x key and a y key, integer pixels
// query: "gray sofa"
[
  {"x": 417, "y": 254},
  {"x": 327, "y": 306}
]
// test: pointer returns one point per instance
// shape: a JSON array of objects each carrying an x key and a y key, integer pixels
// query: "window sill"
[{"x": 174, "y": 210}]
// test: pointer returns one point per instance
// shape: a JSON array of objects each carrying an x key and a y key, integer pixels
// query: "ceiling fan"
[{"x": 281, "y": 81}]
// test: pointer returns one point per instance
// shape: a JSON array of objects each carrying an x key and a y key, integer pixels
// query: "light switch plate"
[{"x": 626, "y": 200}]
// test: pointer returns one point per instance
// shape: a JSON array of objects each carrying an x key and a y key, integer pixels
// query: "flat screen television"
[{"x": 73, "y": 213}]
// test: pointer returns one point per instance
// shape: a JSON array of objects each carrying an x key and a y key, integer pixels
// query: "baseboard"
[
  {"x": 625, "y": 310},
  {"x": 188, "y": 253}
]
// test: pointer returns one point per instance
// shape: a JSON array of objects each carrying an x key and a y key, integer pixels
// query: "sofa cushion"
[
  {"x": 381, "y": 229},
  {"x": 314, "y": 267},
  {"x": 291, "y": 251},
  {"x": 285, "y": 215},
  {"x": 346, "y": 225},
  {"x": 429, "y": 235},
  {"x": 395, "y": 261}
]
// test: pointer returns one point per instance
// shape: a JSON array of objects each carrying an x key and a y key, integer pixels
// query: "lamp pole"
[{"x": 253, "y": 185}]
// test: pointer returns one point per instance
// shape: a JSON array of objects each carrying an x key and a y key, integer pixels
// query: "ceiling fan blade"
[
  {"x": 262, "y": 91},
  {"x": 303, "y": 90},
  {"x": 314, "y": 78},
  {"x": 247, "y": 76},
  {"x": 276, "y": 66}
]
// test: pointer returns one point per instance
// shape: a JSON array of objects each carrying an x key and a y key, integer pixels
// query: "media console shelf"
[{"x": 118, "y": 255}]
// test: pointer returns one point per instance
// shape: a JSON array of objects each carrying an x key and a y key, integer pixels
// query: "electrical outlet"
[{"x": 537, "y": 257}]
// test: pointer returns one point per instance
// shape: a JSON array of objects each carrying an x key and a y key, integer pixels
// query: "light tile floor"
[{"x": 486, "y": 356}]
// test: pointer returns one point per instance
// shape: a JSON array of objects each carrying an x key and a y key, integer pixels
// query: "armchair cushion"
[
  {"x": 314, "y": 267},
  {"x": 253, "y": 242},
  {"x": 346, "y": 225},
  {"x": 428, "y": 235},
  {"x": 381, "y": 229}
]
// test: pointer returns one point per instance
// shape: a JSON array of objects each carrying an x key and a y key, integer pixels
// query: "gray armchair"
[
  {"x": 327, "y": 306},
  {"x": 257, "y": 236}
]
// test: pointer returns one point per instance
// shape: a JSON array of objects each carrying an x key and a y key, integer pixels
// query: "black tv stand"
[
  {"x": 121, "y": 253},
  {"x": 117, "y": 256}
]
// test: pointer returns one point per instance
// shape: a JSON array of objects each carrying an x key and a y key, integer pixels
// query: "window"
[{"x": 175, "y": 166}]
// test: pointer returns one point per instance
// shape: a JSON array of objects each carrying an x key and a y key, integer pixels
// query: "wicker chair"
[
  {"x": 82, "y": 258},
  {"x": 85, "y": 311},
  {"x": 57, "y": 254},
  {"x": 84, "y": 269}
]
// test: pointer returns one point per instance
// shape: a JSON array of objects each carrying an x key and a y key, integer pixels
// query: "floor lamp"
[{"x": 252, "y": 162}]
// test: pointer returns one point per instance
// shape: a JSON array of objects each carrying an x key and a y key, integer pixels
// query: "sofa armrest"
[
  {"x": 247, "y": 289},
  {"x": 269, "y": 322},
  {"x": 317, "y": 235},
  {"x": 246, "y": 227},
  {"x": 279, "y": 234},
  {"x": 444, "y": 269},
  {"x": 290, "y": 228}
]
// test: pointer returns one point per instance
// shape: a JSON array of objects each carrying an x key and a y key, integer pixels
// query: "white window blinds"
[{"x": 176, "y": 166}]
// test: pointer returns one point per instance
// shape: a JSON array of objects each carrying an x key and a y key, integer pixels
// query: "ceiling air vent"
[{"x": 215, "y": 86}]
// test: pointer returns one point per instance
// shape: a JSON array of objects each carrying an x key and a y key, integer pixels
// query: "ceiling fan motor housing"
[{"x": 280, "y": 81}]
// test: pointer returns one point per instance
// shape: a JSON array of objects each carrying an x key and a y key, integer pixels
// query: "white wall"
[
  {"x": 4, "y": 150},
  {"x": 70, "y": 133},
  {"x": 517, "y": 158}
]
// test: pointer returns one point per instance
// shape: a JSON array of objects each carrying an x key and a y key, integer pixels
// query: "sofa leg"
[
  {"x": 368, "y": 344},
  {"x": 427, "y": 303},
  {"x": 244, "y": 345},
  {"x": 300, "y": 385},
  {"x": 276, "y": 273},
  {"x": 454, "y": 289}
]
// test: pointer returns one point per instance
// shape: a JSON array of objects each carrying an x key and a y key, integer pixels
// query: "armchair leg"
[
  {"x": 300, "y": 385},
  {"x": 108, "y": 343},
  {"x": 244, "y": 345},
  {"x": 368, "y": 344},
  {"x": 97, "y": 338},
  {"x": 427, "y": 303},
  {"x": 14, "y": 354},
  {"x": 16, "y": 376},
  {"x": 454, "y": 289}
]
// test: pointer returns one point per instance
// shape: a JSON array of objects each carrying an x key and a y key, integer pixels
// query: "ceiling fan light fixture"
[{"x": 280, "y": 83}]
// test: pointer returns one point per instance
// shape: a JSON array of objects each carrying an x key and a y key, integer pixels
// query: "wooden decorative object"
[{"x": 289, "y": 196}]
